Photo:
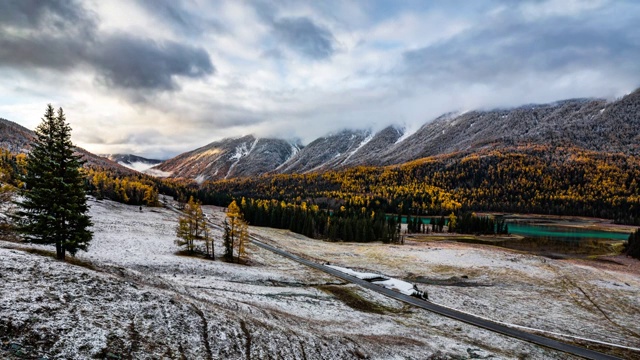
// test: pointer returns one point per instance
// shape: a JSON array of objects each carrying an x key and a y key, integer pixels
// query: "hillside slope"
[
  {"x": 232, "y": 157},
  {"x": 18, "y": 139},
  {"x": 144, "y": 301}
]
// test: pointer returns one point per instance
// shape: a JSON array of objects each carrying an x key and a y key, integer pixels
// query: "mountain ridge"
[
  {"x": 18, "y": 139},
  {"x": 590, "y": 124}
]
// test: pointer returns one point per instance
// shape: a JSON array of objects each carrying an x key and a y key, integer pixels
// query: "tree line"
[
  {"x": 360, "y": 224},
  {"x": 533, "y": 179}
]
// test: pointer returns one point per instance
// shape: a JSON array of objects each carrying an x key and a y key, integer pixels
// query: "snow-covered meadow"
[
  {"x": 143, "y": 301},
  {"x": 578, "y": 298}
]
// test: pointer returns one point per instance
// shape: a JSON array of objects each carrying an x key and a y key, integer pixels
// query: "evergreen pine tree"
[
  {"x": 54, "y": 206},
  {"x": 227, "y": 242},
  {"x": 632, "y": 247}
]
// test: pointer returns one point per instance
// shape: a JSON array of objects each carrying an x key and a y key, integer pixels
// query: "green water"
[
  {"x": 549, "y": 238},
  {"x": 536, "y": 230},
  {"x": 555, "y": 237}
]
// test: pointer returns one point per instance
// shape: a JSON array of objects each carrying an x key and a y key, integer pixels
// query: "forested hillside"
[{"x": 536, "y": 179}]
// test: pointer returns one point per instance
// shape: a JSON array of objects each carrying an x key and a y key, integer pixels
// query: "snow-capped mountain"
[
  {"x": 131, "y": 161},
  {"x": 592, "y": 124},
  {"x": 327, "y": 152},
  {"x": 232, "y": 157}
]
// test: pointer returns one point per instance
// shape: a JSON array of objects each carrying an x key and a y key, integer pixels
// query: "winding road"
[
  {"x": 441, "y": 310},
  {"x": 444, "y": 311}
]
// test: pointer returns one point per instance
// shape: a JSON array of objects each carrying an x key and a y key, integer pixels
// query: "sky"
[{"x": 160, "y": 77}]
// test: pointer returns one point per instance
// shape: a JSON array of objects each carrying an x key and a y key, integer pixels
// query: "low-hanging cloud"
[
  {"x": 300, "y": 69},
  {"x": 507, "y": 48}
]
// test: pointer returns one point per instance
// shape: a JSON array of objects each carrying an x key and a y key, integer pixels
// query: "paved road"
[
  {"x": 453, "y": 314},
  {"x": 444, "y": 311}
]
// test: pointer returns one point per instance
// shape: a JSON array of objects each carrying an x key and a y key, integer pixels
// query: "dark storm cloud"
[
  {"x": 58, "y": 14},
  {"x": 305, "y": 37},
  {"x": 62, "y": 36},
  {"x": 134, "y": 63},
  {"x": 509, "y": 48},
  {"x": 43, "y": 34},
  {"x": 43, "y": 51}
]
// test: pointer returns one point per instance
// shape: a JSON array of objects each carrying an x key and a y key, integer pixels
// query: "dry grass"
[
  {"x": 52, "y": 254},
  {"x": 354, "y": 300}
]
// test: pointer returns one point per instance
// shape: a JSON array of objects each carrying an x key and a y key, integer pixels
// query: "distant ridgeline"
[{"x": 131, "y": 188}]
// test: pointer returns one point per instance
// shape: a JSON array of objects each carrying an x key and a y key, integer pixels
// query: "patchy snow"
[
  {"x": 295, "y": 149},
  {"x": 241, "y": 151},
  {"x": 406, "y": 132},
  {"x": 364, "y": 142},
  {"x": 381, "y": 280},
  {"x": 144, "y": 301},
  {"x": 500, "y": 284},
  {"x": 359, "y": 275},
  {"x": 201, "y": 178},
  {"x": 397, "y": 285}
]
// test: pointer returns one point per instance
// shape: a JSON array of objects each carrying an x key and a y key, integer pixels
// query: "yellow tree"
[
  {"x": 192, "y": 226},
  {"x": 236, "y": 234}
]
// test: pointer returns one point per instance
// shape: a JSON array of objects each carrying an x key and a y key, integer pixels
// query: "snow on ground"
[
  {"x": 145, "y": 302},
  {"x": 569, "y": 297},
  {"x": 359, "y": 275}
]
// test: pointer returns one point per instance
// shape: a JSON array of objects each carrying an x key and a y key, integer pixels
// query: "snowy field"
[
  {"x": 577, "y": 298},
  {"x": 143, "y": 301}
]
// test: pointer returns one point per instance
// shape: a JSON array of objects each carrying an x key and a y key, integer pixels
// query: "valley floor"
[{"x": 140, "y": 300}]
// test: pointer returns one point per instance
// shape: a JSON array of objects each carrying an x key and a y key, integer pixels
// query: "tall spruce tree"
[{"x": 54, "y": 205}]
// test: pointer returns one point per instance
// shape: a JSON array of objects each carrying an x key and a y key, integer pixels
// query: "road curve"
[{"x": 444, "y": 311}]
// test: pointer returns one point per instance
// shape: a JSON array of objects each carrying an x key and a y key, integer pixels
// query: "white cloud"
[{"x": 503, "y": 55}]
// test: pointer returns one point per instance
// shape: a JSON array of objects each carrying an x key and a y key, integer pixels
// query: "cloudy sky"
[{"x": 159, "y": 77}]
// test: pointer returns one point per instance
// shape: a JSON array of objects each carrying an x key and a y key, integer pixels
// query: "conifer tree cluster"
[
  {"x": 632, "y": 247},
  {"x": 359, "y": 224},
  {"x": 53, "y": 209},
  {"x": 127, "y": 189},
  {"x": 469, "y": 223}
]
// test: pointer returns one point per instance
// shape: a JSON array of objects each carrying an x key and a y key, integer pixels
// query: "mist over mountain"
[
  {"x": 591, "y": 124},
  {"x": 133, "y": 162}
]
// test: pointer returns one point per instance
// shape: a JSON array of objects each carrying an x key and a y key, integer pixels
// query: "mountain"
[
  {"x": 15, "y": 138},
  {"x": 379, "y": 143},
  {"x": 232, "y": 157},
  {"x": 18, "y": 139},
  {"x": 131, "y": 161},
  {"x": 327, "y": 152},
  {"x": 590, "y": 124}
]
